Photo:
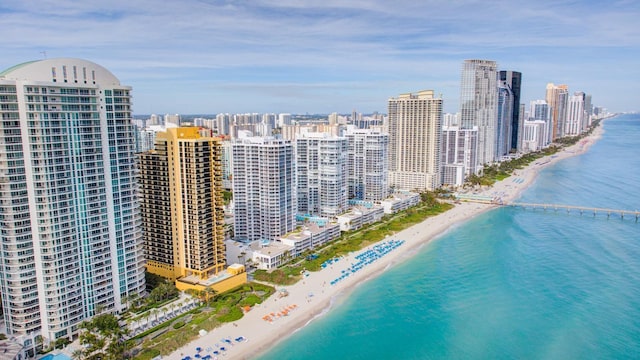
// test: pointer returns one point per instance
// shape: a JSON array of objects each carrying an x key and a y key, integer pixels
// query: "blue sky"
[{"x": 212, "y": 56}]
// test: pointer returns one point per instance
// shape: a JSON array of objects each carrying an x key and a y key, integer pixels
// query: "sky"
[{"x": 324, "y": 56}]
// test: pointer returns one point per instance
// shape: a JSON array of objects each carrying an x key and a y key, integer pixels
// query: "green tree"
[
  {"x": 154, "y": 313},
  {"x": 428, "y": 198},
  {"x": 202, "y": 295},
  {"x": 133, "y": 300},
  {"x": 103, "y": 339},
  {"x": 61, "y": 343},
  {"x": 163, "y": 291},
  {"x": 78, "y": 354},
  {"x": 227, "y": 196},
  {"x": 146, "y": 316},
  {"x": 152, "y": 280},
  {"x": 210, "y": 294}
]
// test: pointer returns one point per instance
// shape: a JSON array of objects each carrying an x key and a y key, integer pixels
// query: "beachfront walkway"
[{"x": 152, "y": 318}]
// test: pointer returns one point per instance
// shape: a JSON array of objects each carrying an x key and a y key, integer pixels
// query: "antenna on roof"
[{"x": 44, "y": 53}]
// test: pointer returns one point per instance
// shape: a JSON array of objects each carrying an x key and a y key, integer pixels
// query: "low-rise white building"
[
  {"x": 399, "y": 201},
  {"x": 299, "y": 241},
  {"x": 322, "y": 234},
  {"x": 359, "y": 216},
  {"x": 270, "y": 255},
  {"x": 534, "y": 137},
  {"x": 311, "y": 236}
]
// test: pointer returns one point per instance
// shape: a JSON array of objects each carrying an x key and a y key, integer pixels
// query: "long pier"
[
  {"x": 582, "y": 209},
  {"x": 554, "y": 207}
]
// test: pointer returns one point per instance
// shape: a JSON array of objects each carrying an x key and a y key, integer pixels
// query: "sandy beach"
[{"x": 278, "y": 317}]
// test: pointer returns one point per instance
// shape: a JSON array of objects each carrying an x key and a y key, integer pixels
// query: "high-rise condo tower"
[
  {"x": 414, "y": 127},
  {"x": 71, "y": 236},
  {"x": 478, "y": 107}
]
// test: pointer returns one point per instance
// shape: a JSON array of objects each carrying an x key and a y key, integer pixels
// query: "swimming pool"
[{"x": 55, "y": 357}]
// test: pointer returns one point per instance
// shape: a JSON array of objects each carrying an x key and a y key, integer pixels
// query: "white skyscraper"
[
  {"x": 575, "y": 119},
  {"x": 284, "y": 119},
  {"x": 540, "y": 110},
  {"x": 414, "y": 127},
  {"x": 451, "y": 119},
  {"x": 223, "y": 124},
  {"x": 71, "y": 235},
  {"x": 321, "y": 161},
  {"x": 478, "y": 106},
  {"x": 264, "y": 191},
  {"x": 458, "y": 154},
  {"x": 368, "y": 164},
  {"x": 536, "y": 134},
  {"x": 173, "y": 119}
]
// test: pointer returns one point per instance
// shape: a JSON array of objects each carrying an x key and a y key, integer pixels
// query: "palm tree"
[
  {"x": 192, "y": 300},
  {"x": 99, "y": 334},
  {"x": 210, "y": 294},
  {"x": 129, "y": 321},
  {"x": 190, "y": 292},
  {"x": 202, "y": 295},
  {"x": 146, "y": 317},
  {"x": 154, "y": 312},
  {"x": 78, "y": 354},
  {"x": 134, "y": 299},
  {"x": 134, "y": 320}
]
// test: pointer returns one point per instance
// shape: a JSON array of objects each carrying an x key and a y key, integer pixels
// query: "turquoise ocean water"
[{"x": 512, "y": 283}]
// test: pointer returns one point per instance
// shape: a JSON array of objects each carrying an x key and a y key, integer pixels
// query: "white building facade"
[
  {"x": 459, "y": 148},
  {"x": 263, "y": 188},
  {"x": 575, "y": 122},
  {"x": 540, "y": 110},
  {"x": 535, "y": 135},
  {"x": 72, "y": 242},
  {"x": 368, "y": 164},
  {"x": 321, "y": 161}
]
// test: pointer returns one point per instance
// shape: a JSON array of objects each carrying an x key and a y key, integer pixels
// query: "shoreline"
[{"x": 314, "y": 296}]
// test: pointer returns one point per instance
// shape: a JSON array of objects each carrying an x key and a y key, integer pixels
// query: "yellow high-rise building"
[{"x": 182, "y": 211}]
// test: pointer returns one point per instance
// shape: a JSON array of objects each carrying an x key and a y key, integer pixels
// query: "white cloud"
[{"x": 291, "y": 41}]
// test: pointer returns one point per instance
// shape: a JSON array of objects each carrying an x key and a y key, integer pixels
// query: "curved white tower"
[{"x": 69, "y": 213}]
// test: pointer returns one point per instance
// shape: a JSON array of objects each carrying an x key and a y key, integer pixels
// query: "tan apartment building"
[{"x": 182, "y": 211}]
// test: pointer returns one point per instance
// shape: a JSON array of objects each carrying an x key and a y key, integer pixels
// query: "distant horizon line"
[{"x": 309, "y": 114}]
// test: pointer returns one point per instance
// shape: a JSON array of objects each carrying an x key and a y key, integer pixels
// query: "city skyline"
[{"x": 193, "y": 57}]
